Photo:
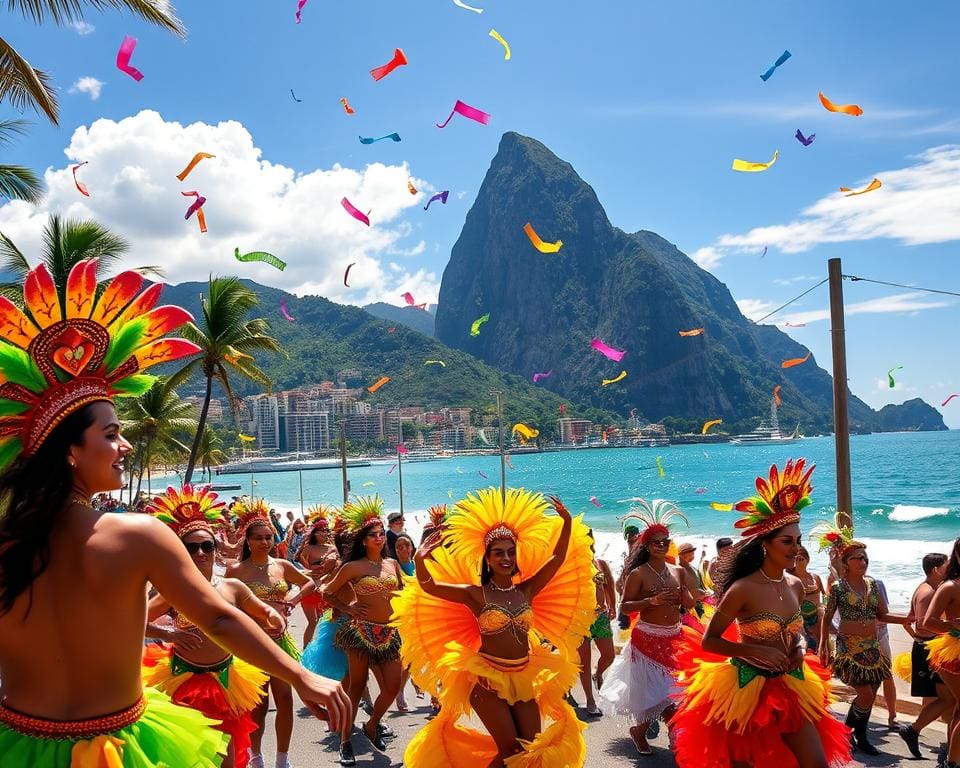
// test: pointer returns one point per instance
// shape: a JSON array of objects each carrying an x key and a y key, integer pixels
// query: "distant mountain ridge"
[
  {"x": 634, "y": 291},
  {"x": 417, "y": 319}
]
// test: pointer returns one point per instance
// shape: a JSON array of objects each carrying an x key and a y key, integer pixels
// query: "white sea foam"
[{"x": 904, "y": 513}]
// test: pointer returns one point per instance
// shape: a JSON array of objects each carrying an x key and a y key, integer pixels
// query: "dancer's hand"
[
  {"x": 560, "y": 508},
  {"x": 188, "y": 641},
  {"x": 666, "y": 597},
  {"x": 765, "y": 657},
  {"x": 824, "y": 653},
  {"x": 327, "y": 700}
]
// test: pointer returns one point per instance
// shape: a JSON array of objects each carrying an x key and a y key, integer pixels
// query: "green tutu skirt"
[
  {"x": 288, "y": 645},
  {"x": 165, "y": 736}
]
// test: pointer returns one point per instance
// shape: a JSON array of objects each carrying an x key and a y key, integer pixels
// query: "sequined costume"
[
  {"x": 442, "y": 640},
  {"x": 322, "y": 656},
  {"x": 381, "y": 642},
  {"x": 859, "y": 659},
  {"x": 275, "y": 593}
]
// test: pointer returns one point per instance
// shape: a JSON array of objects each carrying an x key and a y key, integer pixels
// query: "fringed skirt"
[
  {"x": 945, "y": 653},
  {"x": 859, "y": 660},
  {"x": 380, "y": 642}
]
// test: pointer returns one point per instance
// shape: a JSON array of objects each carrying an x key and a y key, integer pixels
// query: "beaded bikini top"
[
  {"x": 372, "y": 585},
  {"x": 769, "y": 626},
  {"x": 270, "y": 593},
  {"x": 494, "y": 619},
  {"x": 854, "y": 606}
]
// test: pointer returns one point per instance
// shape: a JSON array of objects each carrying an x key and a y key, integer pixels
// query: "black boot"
[
  {"x": 850, "y": 721},
  {"x": 861, "y": 718},
  {"x": 912, "y": 739}
]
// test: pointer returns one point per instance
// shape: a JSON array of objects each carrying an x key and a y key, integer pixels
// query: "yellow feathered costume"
[{"x": 441, "y": 639}]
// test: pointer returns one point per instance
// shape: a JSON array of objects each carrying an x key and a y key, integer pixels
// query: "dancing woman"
[
  {"x": 813, "y": 592},
  {"x": 318, "y": 554},
  {"x": 476, "y": 641},
  {"x": 759, "y": 701},
  {"x": 193, "y": 670},
  {"x": 367, "y": 638},
  {"x": 860, "y": 661},
  {"x": 280, "y": 585},
  {"x": 72, "y": 579}
]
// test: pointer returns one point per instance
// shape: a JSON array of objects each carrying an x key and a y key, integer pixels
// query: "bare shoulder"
[
  {"x": 792, "y": 581},
  {"x": 133, "y": 530}
]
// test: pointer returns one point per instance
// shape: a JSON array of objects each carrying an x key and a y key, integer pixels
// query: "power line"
[
  {"x": 854, "y": 278},
  {"x": 784, "y": 306}
]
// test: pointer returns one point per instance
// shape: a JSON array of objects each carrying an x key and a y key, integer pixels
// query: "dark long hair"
[
  {"x": 34, "y": 493},
  {"x": 245, "y": 552},
  {"x": 358, "y": 547},
  {"x": 636, "y": 557},
  {"x": 953, "y": 570},
  {"x": 486, "y": 572}
]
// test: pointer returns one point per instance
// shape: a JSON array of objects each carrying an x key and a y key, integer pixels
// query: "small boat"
[{"x": 768, "y": 432}]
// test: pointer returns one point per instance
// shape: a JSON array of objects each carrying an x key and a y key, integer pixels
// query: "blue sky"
[{"x": 649, "y": 102}]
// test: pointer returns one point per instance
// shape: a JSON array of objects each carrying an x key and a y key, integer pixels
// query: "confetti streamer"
[
  {"x": 467, "y": 111},
  {"x": 776, "y": 396},
  {"x": 745, "y": 166},
  {"x": 795, "y": 325},
  {"x": 506, "y": 458},
  {"x": 593, "y": 500},
  {"x": 527, "y": 433},
  {"x": 402, "y": 449},
  {"x": 848, "y": 109},
  {"x": 764, "y": 252},
  {"x": 875, "y": 184},
  {"x": 193, "y": 164},
  {"x": 201, "y": 220},
  {"x": 441, "y": 196},
  {"x": 461, "y": 4},
  {"x": 413, "y": 189},
  {"x": 392, "y": 136},
  {"x": 435, "y": 362},
  {"x": 392, "y": 468},
  {"x": 123, "y": 58},
  {"x": 475, "y": 325},
  {"x": 700, "y": 491},
  {"x": 300, "y": 4},
  {"x": 506, "y": 46},
  {"x": 538, "y": 376},
  {"x": 368, "y": 484},
  {"x": 890, "y": 380},
  {"x": 246, "y": 438},
  {"x": 266, "y": 258},
  {"x": 450, "y": 492},
  {"x": 235, "y": 359},
  {"x": 538, "y": 243},
  {"x": 355, "y": 212},
  {"x": 614, "y": 354},
  {"x": 620, "y": 377},
  {"x": 694, "y": 332},
  {"x": 377, "y": 384},
  {"x": 81, "y": 187},
  {"x": 948, "y": 400},
  {"x": 481, "y": 474},
  {"x": 346, "y": 273},
  {"x": 299, "y": 101},
  {"x": 346, "y": 107},
  {"x": 398, "y": 60},
  {"x": 392, "y": 329},
  {"x": 721, "y": 507},
  {"x": 284, "y": 312},
  {"x": 708, "y": 424},
  {"x": 196, "y": 207},
  {"x": 408, "y": 297},
  {"x": 805, "y": 140},
  {"x": 660, "y": 468},
  {"x": 795, "y": 361},
  {"x": 783, "y": 57}
]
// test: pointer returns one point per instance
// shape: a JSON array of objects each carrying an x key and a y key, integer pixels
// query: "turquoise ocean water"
[{"x": 906, "y": 490}]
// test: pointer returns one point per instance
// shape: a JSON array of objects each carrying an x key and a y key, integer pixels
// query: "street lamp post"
[{"x": 503, "y": 461}]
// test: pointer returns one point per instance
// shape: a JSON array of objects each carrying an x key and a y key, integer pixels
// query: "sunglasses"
[
  {"x": 200, "y": 546},
  {"x": 660, "y": 542},
  {"x": 860, "y": 557}
]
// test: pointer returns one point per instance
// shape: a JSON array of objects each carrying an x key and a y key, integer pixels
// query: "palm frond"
[
  {"x": 19, "y": 183},
  {"x": 11, "y": 128},
  {"x": 60, "y": 12},
  {"x": 22, "y": 85}
]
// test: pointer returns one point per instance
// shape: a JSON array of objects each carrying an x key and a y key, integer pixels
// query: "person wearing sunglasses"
[
  {"x": 641, "y": 684},
  {"x": 192, "y": 669},
  {"x": 860, "y": 660}
]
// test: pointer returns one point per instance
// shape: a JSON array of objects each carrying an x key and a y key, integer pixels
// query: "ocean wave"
[{"x": 905, "y": 513}]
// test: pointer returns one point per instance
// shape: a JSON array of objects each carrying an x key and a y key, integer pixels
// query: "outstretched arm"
[
  {"x": 455, "y": 593},
  {"x": 549, "y": 569}
]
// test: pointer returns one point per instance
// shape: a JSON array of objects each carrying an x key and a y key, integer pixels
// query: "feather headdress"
[
  {"x": 252, "y": 511},
  {"x": 319, "y": 518},
  {"x": 781, "y": 497},
  {"x": 361, "y": 512},
  {"x": 188, "y": 509},
  {"x": 654, "y": 517},
  {"x": 834, "y": 536},
  {"x": 438, "y": 514}
]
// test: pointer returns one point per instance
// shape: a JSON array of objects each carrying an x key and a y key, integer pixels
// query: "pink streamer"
[
  {"x": 538, "y": 376},
  {"x": 195, "y": 205},
  {"x": 593, "y": 500},
  {"x": 408, "y": 297},
  {"x": 467, "y": 111},
  {"x": 283, "y": 311},
  {"x": 123, "y": 58},
  {"x": 300, "y": 4},
  {"x": 353, "y": 211},
  {"x": 402, "y": 449},
  {"x": 391, "y": 469},
  {"x": 81, "y": 187},
  {"x": 614, "y": 354}
]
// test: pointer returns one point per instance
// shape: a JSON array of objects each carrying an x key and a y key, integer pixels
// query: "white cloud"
[
  {"x": 707, "y": 258},
  {"x": 914, "y": 301},
  {"x": 797, "y": 279},
  {"x": 752, "y": 309},
  {"x": 917, "y": 205},
  {"x": 88, "y": 85},
  {"x": 251, "y": 203},
  {"x": 81, "y": 27}
]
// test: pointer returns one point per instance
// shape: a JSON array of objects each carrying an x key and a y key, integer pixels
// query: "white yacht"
[{"x": 768, "y": 432}]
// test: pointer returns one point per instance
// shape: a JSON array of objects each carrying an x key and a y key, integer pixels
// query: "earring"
[
  {"x": 764, "y": 551},
  {"x": 72, "y": 463}
]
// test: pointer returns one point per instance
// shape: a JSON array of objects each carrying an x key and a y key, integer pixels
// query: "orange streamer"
[
  {"x": 694, "y": 332},
  {"x": 378, "y": 383},
  {"x": 847, "y": 109},
  {"x": 795, "y": 361},
  {"x": 875, "y": 184}
]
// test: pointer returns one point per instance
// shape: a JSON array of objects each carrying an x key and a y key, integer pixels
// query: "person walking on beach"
[
  {"x": 601, "y": 633},
  {"x": 924, "y": 682},
  {"x": 685, "y": 555},
  {"x": 639, "y": 684},
  {"x": 630, "y": 534}
]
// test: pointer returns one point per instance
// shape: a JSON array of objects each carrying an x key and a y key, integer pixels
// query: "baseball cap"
[
  {"x": 631, "y": 530},
  {"x": 687, "y": 547},
  {"x": 394, "y": 516}
]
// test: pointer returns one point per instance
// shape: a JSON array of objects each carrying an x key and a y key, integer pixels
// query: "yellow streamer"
[
  {"x": 527, "y": 433},
  {"x": 875, "y": 184},
  {"x": 496, "y": 36},
  {"x": 708, "y": 424},
  {"x": 247, "y": 438},
  {"x": 660, "y": 468},
  {"x": 747, "y": 167},
  {"x": 538, "y": 243},
  {"x": 607, "y": 382},
  {"x": 720, "y": 507}
]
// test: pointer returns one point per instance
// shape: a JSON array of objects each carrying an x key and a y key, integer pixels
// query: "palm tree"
[
  {"x": 226, "y": 340},
  {"x": 17, "y": 182},
  {"x": 23, "y": 86},
  {"x": 211, "y": 453},
  {"x": 64, "y": 244},
  {"x": 155, "y": 422}
]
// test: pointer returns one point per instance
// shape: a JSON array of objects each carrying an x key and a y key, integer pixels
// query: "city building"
[{"x": 573, "y": 431}]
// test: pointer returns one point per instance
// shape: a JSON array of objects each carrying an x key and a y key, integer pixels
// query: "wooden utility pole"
[
  {"x": 841, "y": 421},
  {"x": 343, "y": 463},
  {"x": 503, "y": 460}
]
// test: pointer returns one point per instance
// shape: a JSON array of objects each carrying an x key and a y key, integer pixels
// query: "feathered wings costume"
[{"x": 562, "y": 614}]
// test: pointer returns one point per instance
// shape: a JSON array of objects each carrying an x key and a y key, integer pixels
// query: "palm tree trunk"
[{"x": 199, "y": 436}]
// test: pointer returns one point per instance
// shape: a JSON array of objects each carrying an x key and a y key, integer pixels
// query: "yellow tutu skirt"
[{"x": 945, "y": 653}]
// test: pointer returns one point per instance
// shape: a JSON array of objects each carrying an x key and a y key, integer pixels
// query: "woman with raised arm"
[
  {"x": 193, "y": 670},
  {"x": 281, "y": 585},
  {"x": 72, "y": 579},
  {"x": 489, "y": 584},
  {"x": 367, "y": 637},
  {"x": 759, "y": 700}
]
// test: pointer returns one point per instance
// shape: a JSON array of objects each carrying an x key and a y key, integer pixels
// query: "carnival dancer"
[
  {"x": 196, "y": 672},
  {"x": 280, "y": 584},
  {"x": 367, "y": 638},
  {"x": 943, "y": 616},
  {"x": 860, "y": 660},
  {"x": 72, "y": 579},
  {"x": 502, "y": 600},
  {"x": 318, "y": 554},
  {"x": 759, "y": 701},
  {"x": 813, "y": 591},
  {"x": 640, "y": 683}
]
